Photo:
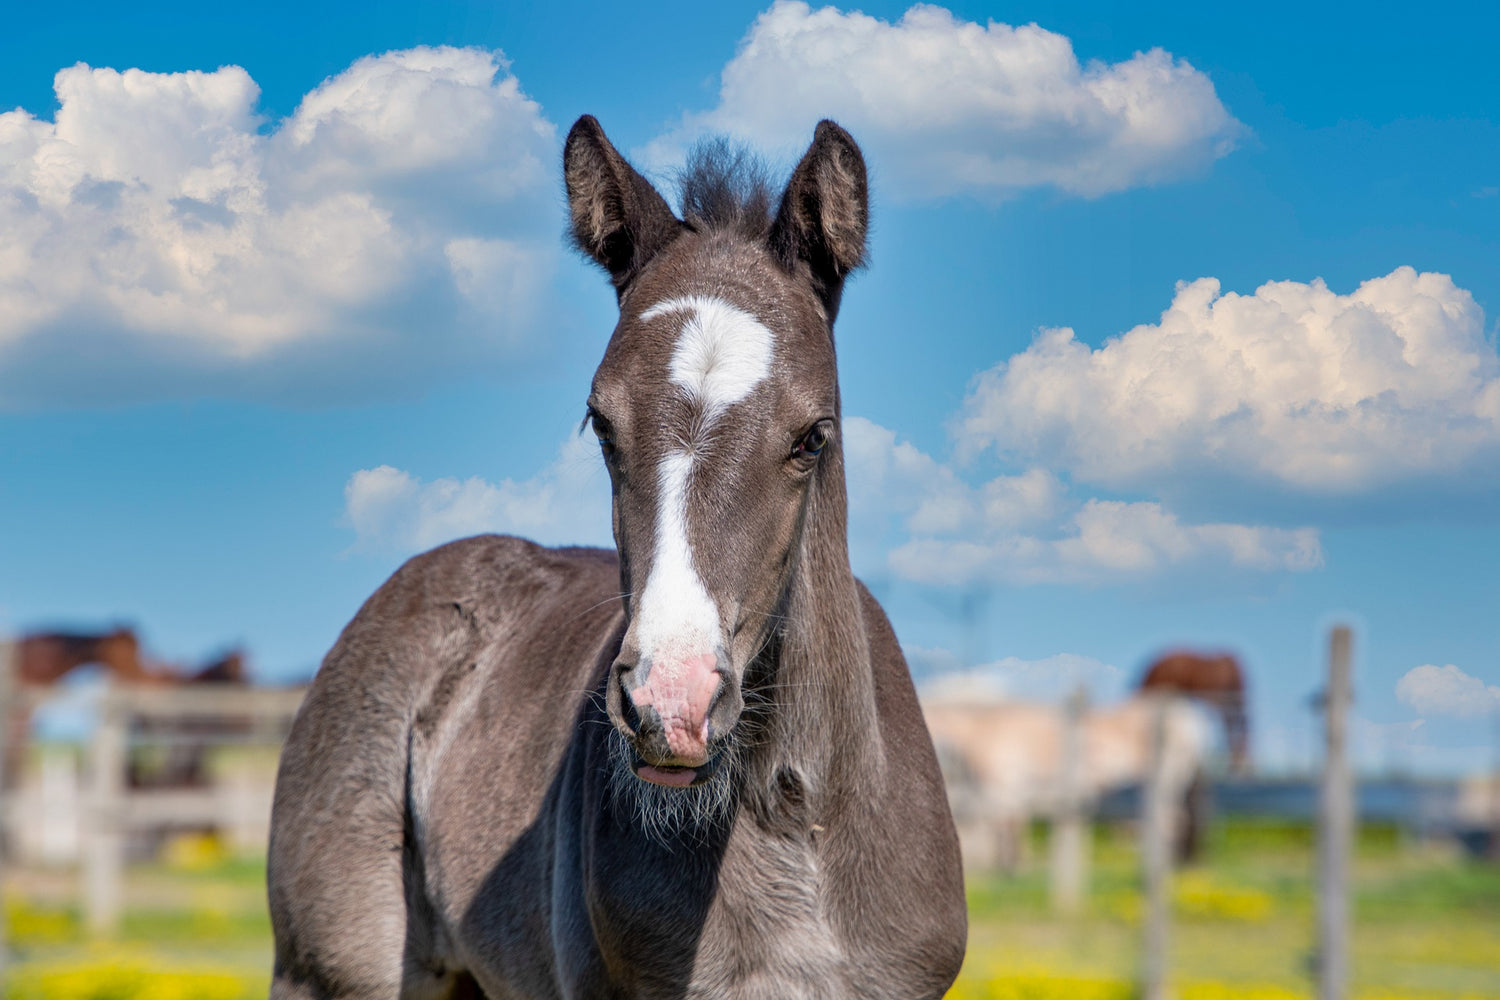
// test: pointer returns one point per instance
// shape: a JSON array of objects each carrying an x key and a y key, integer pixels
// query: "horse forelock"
[{"x": 725, "y": 187}]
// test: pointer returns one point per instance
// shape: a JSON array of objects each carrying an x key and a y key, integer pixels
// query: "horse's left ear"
[{"x": 825, "y": 213}]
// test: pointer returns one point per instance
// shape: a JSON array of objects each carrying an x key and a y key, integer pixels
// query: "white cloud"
[
  {"x": 1106, "y": 541},
  {"x": 1294, "y": 386},
  {"x": 1050, "y": 678},
  {"x": 947, "y": 105},
  {"x": 158, "y": 221},
  {"x": 910, "y": 515},
  {"x": 1432, "y": 690},
  {"x": 1027, "y": 528},
  {"x": 1413, "y": 747},
  {"x": 1291, "y": 743},
  {"x": 565, "y": 503}
]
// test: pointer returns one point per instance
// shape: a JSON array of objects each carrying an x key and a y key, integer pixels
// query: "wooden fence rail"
[{"x": 219, "y": 716}]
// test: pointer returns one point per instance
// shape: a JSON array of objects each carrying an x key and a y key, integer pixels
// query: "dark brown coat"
[{"x": 461, "y": 804}]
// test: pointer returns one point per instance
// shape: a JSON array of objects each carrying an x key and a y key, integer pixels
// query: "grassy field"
[
  {"x": 1427, "y": 927},
  {"x": 1427, "y": 923}
]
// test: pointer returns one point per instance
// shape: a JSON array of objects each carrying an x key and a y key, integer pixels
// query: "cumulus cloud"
[
  {"x": 947, "y": 105},
  {"x": 1028, "y": 528},
  {"x": 160, "y": 223},
  {"x": 567, "y": 503},
  {"x": 1294, "y": 386},
  {"x": 1414, "y": 746},
  {"x": 1292, "y": 744},
  {"x": 910, "y": 515},
  {"x": 1432, "y": 690},
  {"x": 1050, "y": 678}
]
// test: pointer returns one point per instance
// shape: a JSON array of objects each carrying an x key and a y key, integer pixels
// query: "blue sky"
[{"x": 292, "y": 303}]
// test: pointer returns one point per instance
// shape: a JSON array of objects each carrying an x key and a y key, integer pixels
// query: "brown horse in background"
[
  {"x": 1215, "y": 679},
  {"x": 44, "y": 658}
]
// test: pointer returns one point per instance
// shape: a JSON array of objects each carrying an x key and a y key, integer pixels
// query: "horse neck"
[
  {"x": 46, "y": 659},
  {"x": 822, "y": 717}
]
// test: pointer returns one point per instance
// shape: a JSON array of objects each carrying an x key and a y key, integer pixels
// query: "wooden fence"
[
  {"x": 217, "y": 717},
  {"x": 250, "y": 716},
  {"x": 1336, "y": 819},
  {"x": 136, "y": 717}
]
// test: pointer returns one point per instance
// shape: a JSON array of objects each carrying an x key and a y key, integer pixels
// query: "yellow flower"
[{"x": 120, "y": 977}]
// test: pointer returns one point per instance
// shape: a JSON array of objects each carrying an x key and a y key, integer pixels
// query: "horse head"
[{"x": 717, "y": 411}]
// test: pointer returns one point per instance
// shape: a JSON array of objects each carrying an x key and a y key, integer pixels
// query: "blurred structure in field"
[
  {"x": 1478, "y": 814},
  {"x": 170, "y": 751},
  {"x": 168, "y": 743},
  {"x": 1004, "y": 761}
]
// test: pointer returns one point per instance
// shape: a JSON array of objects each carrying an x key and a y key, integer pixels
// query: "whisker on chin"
[{"x": 666, "y": 815}]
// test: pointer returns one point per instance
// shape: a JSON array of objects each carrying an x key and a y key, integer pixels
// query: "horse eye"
[
  {"x": 812, "y": 442},
  {"x": 602, "y": 430}
]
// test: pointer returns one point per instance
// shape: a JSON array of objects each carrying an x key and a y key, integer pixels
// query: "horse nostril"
[
  {"x": 628, "y": 713},
  {"x": 617, "y": 700}
]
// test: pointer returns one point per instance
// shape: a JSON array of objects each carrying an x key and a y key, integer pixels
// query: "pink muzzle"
[{"x": 680, "y": 691}]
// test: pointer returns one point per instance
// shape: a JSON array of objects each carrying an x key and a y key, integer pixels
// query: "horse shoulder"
[
  {"x": 341, "y": 847},
  {"x": 516, "y": 720},
  {"x": 910, "y": 920}
]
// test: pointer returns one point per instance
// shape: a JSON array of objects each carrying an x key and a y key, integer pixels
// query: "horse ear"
[
  {"x": 825, "y": 213},
  {"x": 618, "y": 218}
]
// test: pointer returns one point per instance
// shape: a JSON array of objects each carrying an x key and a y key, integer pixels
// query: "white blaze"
[
  {"x": 722, "y": 354},
  {"x": 677, "y": 615}
]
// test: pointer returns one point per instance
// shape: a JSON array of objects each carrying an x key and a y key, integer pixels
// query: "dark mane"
[{"x": 726, "y": 187}]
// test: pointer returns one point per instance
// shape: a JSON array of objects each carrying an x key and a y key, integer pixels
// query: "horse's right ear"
[{"x": 618, "y": 218}]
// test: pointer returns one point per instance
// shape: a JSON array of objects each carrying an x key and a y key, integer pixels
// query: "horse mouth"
[{"x": 675, "y": 776}]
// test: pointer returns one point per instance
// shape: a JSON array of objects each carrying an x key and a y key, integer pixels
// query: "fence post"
[
  {"x": 1335, "y": 826},
  {"x": 1069, "y": 840},
  {"x": 1156, "y": 855},
  {"x": 104, "y": 837}
]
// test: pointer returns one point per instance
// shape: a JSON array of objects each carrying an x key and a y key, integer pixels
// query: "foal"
[{"x": 510, "y": 781}]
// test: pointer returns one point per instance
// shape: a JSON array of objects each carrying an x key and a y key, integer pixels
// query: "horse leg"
[
  {"x": 339, "y": 917},
  {"x": 1192, "y": 818},
  {"x": 337, "y": 862},
  {"x": 1008, "y": 842},
  {"x": 459, "y": 986}
]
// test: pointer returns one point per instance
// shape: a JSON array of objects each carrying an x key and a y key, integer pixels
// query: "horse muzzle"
[{"x": 676, "y": 712}]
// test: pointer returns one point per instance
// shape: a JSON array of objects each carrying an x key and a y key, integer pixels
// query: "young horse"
[
  {"x": 1005, "y": 762},
  {"x": 44, "y": 658},
  {"x": 510, "y": 780}
]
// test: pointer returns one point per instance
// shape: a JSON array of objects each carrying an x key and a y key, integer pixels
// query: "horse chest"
[{"x": 754, "y": 926}]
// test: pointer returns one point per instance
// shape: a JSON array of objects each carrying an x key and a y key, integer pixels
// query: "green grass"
[
  {"x": 1427, "y": 923},
  {"x": 1427, "y": 927}
]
